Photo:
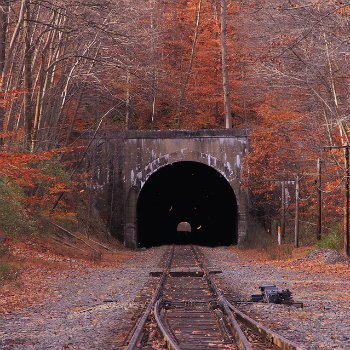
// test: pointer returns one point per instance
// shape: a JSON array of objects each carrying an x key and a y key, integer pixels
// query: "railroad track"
[{"x": 187, "y": 311}]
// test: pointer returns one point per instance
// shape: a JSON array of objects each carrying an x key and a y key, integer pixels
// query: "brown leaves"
[
  {"x": 29, "y": 288},
  {"x": 39, "y": 262}
]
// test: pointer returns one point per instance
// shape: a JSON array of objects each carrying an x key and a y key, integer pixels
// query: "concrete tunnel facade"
[{"x": 156, "y": 179}]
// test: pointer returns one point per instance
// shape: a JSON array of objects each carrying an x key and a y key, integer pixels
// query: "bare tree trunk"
[
  {"x": 283, "y": 209},
  {"x": 225, "y": 79},
  {"x": 187, "y": 77},
  {"x": 71, "y": 127},
  {"x": 319, "y": 200},
  {"x": 296, "y": 222},
  {"x": 45, "y": 77},
  {"x": 38, "y": 102},
  {"x": 217, "y": 56},
  {"x": 4, "y": 13},
  {"x": 27, "y": 98},
  {"x": 8, "y": 61},
  {"x": 128, "y": 101},
  {"x": 342, "y": 128},
  {"x": 154, "y": 62}
]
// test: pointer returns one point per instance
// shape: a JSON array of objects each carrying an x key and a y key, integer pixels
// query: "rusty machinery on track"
[{"x": 189, "y": 311}]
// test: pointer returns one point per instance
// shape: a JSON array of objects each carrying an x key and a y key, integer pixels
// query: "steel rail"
[
  {"x": 274, "y": 338},
  {"x": 171, "y": 342},
  {"x": 138, "y": 330},
  {"x": 230, "y": 310},
  {"x": 241, "y": 339}
]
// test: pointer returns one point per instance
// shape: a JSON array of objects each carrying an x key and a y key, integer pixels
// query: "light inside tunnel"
[
  {"x": 187, "y": 192},
  {"x": 184, "y": 226}
]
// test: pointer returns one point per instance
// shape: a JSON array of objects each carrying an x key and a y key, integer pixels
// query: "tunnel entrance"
[{"x": 188, "y": 192}]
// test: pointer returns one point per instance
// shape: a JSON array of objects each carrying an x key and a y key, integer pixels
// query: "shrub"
[
  {"x": 7, "y": 273},
  {"x": 332, "y": 241},
  {"x": 13, "y": 216}
]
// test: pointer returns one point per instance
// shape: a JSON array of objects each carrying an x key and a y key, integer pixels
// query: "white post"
[{"x": 279, "y": 235}]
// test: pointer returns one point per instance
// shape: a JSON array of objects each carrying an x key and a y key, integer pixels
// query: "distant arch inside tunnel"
[{"x": 189, "y": 192}]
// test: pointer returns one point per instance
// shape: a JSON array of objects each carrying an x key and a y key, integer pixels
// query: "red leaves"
[{"x": 40, "y": 178}]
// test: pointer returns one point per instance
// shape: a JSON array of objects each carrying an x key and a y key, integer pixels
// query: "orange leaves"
[
  {"x": 202, "y": 105},
  {"x": 277, "y": 142},
  {"x": 344, "y": 10},
  {"x": 16, "y": 164},
  {"x": 38, "y": 179},
  {"x": 6, "y": 135},
  {"x": 5, "y": 100},
  {"x": 57, "y": 188},
  {"x": 281, "y": 147},
  {"x": 21, "y": 165}
]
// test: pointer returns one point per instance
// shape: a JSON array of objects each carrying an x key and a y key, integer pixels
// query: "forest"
[{"x": 277, "y": 68}]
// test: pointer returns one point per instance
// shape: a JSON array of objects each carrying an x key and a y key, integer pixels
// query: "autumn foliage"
[{"x": 158, "y": 65}]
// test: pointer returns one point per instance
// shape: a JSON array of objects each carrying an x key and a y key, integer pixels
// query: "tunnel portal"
[{"x": 189, "y": 192}]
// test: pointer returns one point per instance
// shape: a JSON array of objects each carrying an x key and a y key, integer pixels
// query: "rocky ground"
[
  {"x": 321, "y": 281},
  {"x": 93, "y": 308},
  {"x": 86, "y": 308}
]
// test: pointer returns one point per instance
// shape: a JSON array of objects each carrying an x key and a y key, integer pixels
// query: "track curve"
[{"x": 189, "y": 311}]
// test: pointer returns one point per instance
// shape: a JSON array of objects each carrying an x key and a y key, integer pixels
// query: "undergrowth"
[
  {"x": 7, "y": 271},
  {"x": 267, "y": 243},
  {"x": 14, "y": 218},
  {"x": 332, "y": 237},
  {"x": 26, "y": 206},
  {"x": 331, "y": 241}
]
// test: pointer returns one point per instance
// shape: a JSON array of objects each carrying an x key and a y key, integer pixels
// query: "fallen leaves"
[
  {"x": 41, "y": 264},
  {"x": 29, "y": 288},
  {"x": 307, "y": 267}
]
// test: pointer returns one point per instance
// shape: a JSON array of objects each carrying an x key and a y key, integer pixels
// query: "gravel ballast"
[
  {"x": 75, "y": 315},
  {"x": 323, "y": 322}
]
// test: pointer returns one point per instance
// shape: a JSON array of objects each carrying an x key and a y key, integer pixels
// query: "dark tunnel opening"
[{"x": 188, "y": 192}]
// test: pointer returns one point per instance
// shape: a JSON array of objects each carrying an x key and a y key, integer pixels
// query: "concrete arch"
[
  {"x": 204, "y": 197},
  {"x": 137, "y": 155},
  {"x": 162, "y": 160}
]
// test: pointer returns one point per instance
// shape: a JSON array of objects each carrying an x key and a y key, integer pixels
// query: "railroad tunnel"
[{"x": 187, "y": 194}]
